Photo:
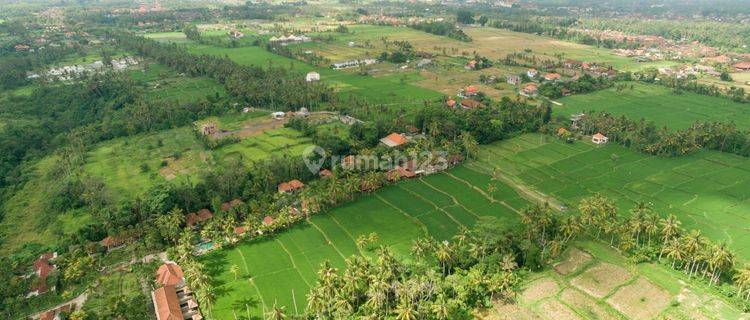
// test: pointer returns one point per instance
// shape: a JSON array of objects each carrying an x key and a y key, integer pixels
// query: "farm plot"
[
  {"x": 281, "y": 269},
  {"x": 660, "y": 105},
  {"x": 707, "y": 190},
  {"x": 390, "y": 89},
  {"x": 614, "y": 289}
]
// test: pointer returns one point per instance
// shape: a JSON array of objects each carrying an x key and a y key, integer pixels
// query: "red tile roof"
[
  {"x": 471, "y": 90},
  {"x": 470, "y": 103},
  {"x": 290, "y": 186},
  {"x": 742, "y": 65},
  {"x": 267, "y": 220},
  {"x": 240, "y": 230},
  {"x": 167, "y": 304},
  {"x": 169, "y": 274},
  {"x": 599, "y": 135},
  {"x": 194, "y": 218},
  {"x": 451, "y": 103},
  {"x": 394, "y": 140},
  {"x": 325, "y": 173},
  {"x": 399, "y": 172},
  {"x": 552, "y": 76}
]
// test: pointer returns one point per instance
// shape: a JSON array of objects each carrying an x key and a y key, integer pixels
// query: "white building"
[{"x": 312, "y": 76}]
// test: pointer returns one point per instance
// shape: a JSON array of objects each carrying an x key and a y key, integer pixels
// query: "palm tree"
[
  {"x": 673, "y": 251},
  {"x": 444, "y": 254},
  {"x": 405, "y": 311},
  {"x": 276, "y": 313},
  {"x": 742, "y": 281},
  {"x": 670, "y": 228},
  {"x": 234, "y": 269},
  {"x": 441, "y": 308}
]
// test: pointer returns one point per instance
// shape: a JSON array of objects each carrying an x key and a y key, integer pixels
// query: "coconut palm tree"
[
  {"x": 234, "y": 269},
  {"x": 742, "y": 281},
  {"x": 276, "y": 313}
]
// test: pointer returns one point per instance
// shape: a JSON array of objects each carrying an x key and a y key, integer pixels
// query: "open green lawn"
[
  {"x": 386, "y": 89},
  {"x": 280, "y": 270},
  {"x": 658, "y": 104},
  {"x": 709, "y": 191}
]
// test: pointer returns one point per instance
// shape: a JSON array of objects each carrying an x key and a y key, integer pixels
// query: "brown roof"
[
  {"x": 451, "y": 103},
  {"x": 742, "y": 65},
  {"x": 194, "y": 218},
  {"x": 395, "y": 139},
  {"x": 470, "y": 103},
  {"x": 240, "y": 230},
  {"x": 191, "y": 219},
  {"x": 110, "y": 241},
  {"x": 552, "y": 76},
  {"x": 562, "y": 131},
  {"x": 267, "y": 220},
  {"x": 471, "y": 89},
  {"x": 290, "y": 186},
  {"x": 325, "y": 173},
  {"x": 169, "y": 274},
  {"x": 599, "y": 135},
  {"x": 167, "y": 304},
  {"x": 49, "y": 315},
  {"x": 529, "y": 87},
  {"x": 204, "y": 214},
  {"x": 400, "y": 172}
]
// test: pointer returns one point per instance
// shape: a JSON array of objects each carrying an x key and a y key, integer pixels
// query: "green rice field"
[
  {"x": 660, "y": 105},
  {"x": 709, "y": 191},
  {"x": 386, "y": 89},
  {"x": 280, "y": 270}
]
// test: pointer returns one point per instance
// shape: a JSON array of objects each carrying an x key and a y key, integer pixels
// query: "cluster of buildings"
[
  {"x": 173, "y": 299},
  {"x": 353, "y": 63},
  {"x": 286, "y": 40},
  {"x": 67, "y": 73}
]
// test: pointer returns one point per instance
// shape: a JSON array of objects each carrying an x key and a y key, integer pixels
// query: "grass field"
[
  {"x": 660, "y": 105},
  {"x": 707, "y": 191},
  {"x": 161, "y": 83},
  {"x": 280, "y": 270},
  {"x": 386, "y": 89},
  {"x": 497, "y": 43},
  {"x": 592, "y": 281},
  {"x": 130, "y": 166}
]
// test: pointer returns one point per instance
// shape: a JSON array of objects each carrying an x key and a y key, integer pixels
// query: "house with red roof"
[
  {"x": 552, "y": 76},
  {"x": 530, "y": 89},
  {"x": 469, "y": 104},
  {"x": 399, "y": 172},
  {"x": 193, "y": 219},
  {"x": 470, "y": 91},
  {"x": 450, "y": 103},
  {"x": 291, "y": 186},
  {"x": 173, "y": 300},
  {"x": 742, "y": 66},
  {"x": 471, "y": 65},
  {"x": 599, "y": 138},
  {"x": 394, "y": 140},
  {"x": 267, "y": 220},
  {"x": 170, "y": 274},
  {"x": 42, "y": 268},
  {"x": 325, "y": 173},
  {"x": 226, "y": 206}
]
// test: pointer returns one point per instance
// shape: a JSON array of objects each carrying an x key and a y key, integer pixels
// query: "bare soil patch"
[
  {"x": 540, "y": 289},
  {"x": 640, "y": 300},
  {"x": 601, "y": 279},
  {"x": 575, "y": 261},
  {"x": 585, "y": 305},
  {"x": 510, "y": 311},
  {"x": 556, "y": 310}
]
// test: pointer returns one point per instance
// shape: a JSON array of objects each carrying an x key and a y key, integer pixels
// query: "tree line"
[{"x": 272, "y": 87}]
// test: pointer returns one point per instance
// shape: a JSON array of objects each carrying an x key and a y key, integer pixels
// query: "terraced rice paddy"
[
  {"x": 592, "y": 281},
  {"x": 280, "y": 270},
  {"x": 660, "y": 105},
  {"x": 709, "y": 191}
]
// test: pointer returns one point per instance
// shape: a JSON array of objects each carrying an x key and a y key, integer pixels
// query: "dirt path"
[{"x": 524, "y": 190}]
